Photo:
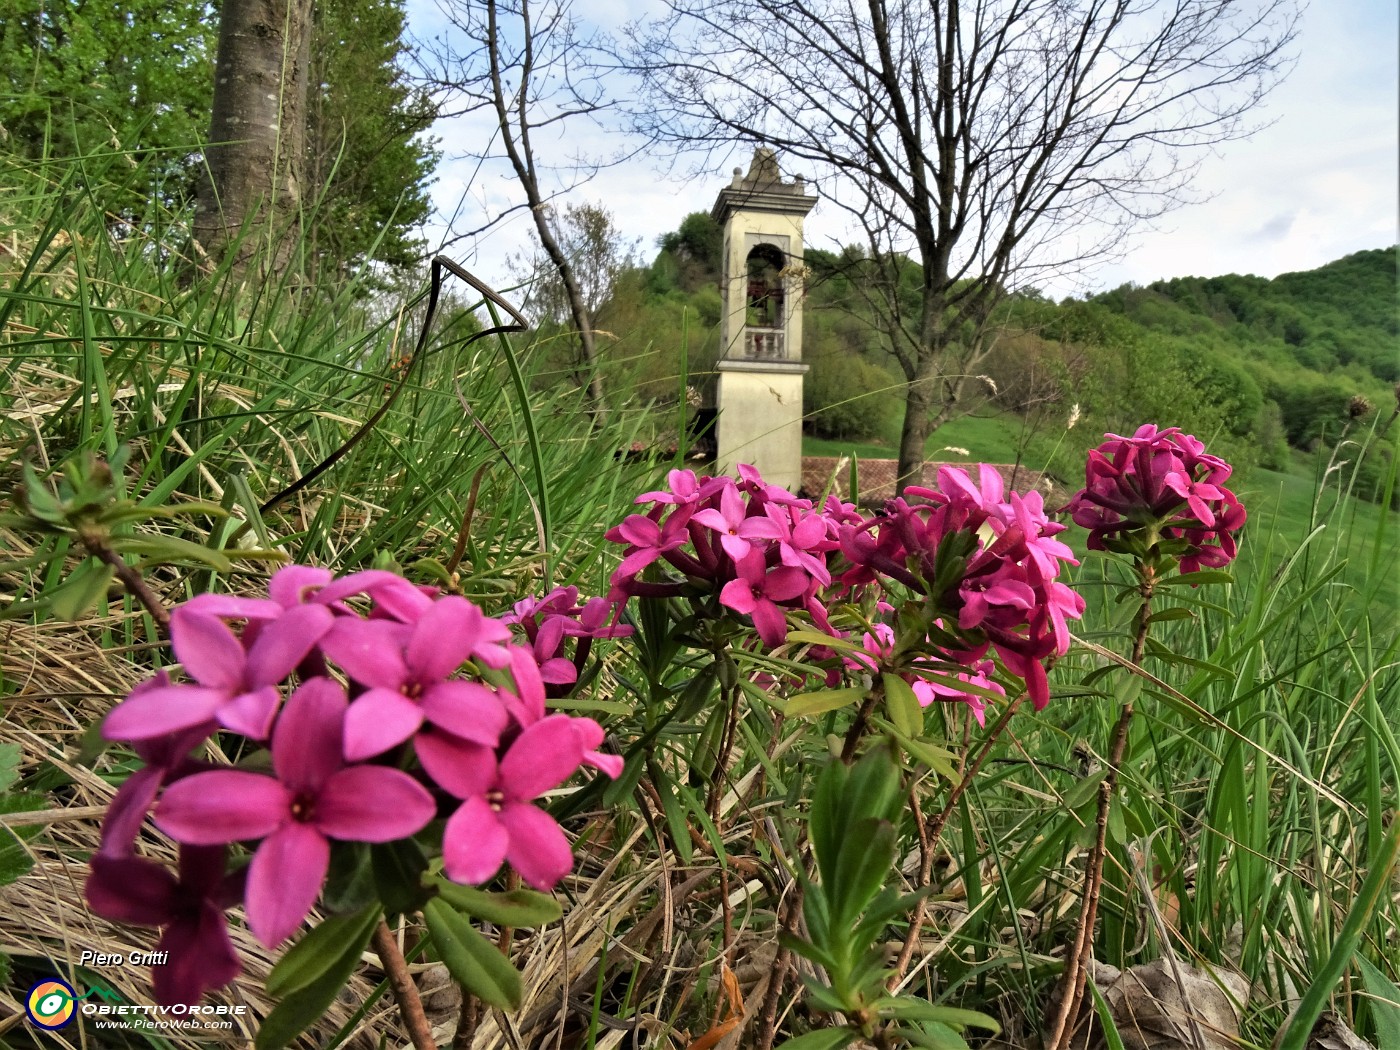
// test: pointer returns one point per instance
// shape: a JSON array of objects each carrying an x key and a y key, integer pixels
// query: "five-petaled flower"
[
  {"x": 189, "y": 908},
  {"x": 497, "y": 821},
  {"x": 312, "y": 797},
  {"x": 406, "y": 667}
]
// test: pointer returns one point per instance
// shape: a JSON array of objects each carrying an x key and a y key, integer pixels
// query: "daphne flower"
[
  {"x": 496, "y": 821},
  {"x": 647, "y": 540},
  {"x": 312, "y": 798},
  {"x": 190, "y": 909},
  {"x": 756, "y": 592},
  {"x": 166, "y": 758},
  {"x": 1159, "y": 484},
  {"x": 406, "y": 666},
  {"x": 237, "y": 687},
  {"x": 734, "y": 525}
]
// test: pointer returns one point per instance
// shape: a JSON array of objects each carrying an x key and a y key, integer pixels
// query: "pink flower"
[
  {"x": 803, "y": 541},
  {"x": 1159, "y": 484},
  {"x": 405, "y": 667},
  {"x": 527, "y": 706},
  {"x": 685, "y": 488},
  {"x": 166, "y": 758},
  {"x": 237, "y": 687},
  {"x": 757, "y": 591},
  {"x": 988, "y": 567},
  {"x": 549, "y": 620},
  {"x": 734, "y": 524},
  {"x": 941, "y": 688},
  {"x": 647, "y": 540},
  {"x": 312, "y": 798},
  {"x": 496, "y": 821},
  {"x": 190, "y": 909}
]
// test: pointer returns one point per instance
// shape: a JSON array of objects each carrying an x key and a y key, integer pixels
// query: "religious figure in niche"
[{"x": 765, "y": 295}]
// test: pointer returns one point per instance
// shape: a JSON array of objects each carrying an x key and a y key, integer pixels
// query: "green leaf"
[
  {"x": 817, "y": 638},
  {"x": 165, "y": 549},
  {"x": 474, "y": 962},
  {"x": 82, "y": 590},
  {"x": 822, "y": 701},
  {"x": 910, "y": 1008},
  {"x": 1175, "y": 612},
  {"x": 1085, "y": 790},
  {"x": 521, "y": 908},
  {"x": 318, "y": 953},
  {"x": 301, "y": 1008},
  {"x": 827, "y": 817},
  {"x": 39, "y": 501},
  {"x": 937, "y": 758},
  {"x": 867, "y": 853},
  {"x": 398, "y": 875},
  {"x": 823, "y": 997},
  {"x": 1117, "y": 829},
  {"x": 674, "y": 812},
  {"x": 126, "y": 511},
  {"x": 873, "y": 788},
  {"x": 807, "y": 950},
  {"x": 934, "y": 1036},
  {"x": 350, "y": 882},
  {"x": 903, "y": 705},
  {"x": 10, "y": 757},
  {"x": 821, "y": 1039},
  {"x": 1384, "y": 1002}
]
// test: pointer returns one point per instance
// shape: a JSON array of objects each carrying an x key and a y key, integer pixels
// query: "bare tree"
[
  {"x": 990, "y": 141},
  {"x": 598, "y": 253},
  {"x": 526, "y": 65},
  {"x": 257, "y": 135}
]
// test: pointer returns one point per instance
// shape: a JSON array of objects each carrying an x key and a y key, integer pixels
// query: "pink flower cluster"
[
  {"x": 760, "y": 546},
  {"x": 1159, "y": 484},
  {"x": 987, "y": 560},
  {"x": 551, "y": 620},
  {"x": 987, "y": 565},
  {"x": 383, "y": 707}
]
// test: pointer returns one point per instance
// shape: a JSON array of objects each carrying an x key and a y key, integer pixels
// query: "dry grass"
[{"x": 63, "y": 681}]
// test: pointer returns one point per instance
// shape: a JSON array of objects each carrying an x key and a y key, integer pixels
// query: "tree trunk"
[
  {"x": 913, "y": 435},
  {"x": 250, "y": 195}
]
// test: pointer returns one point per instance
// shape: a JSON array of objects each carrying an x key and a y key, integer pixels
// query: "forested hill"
[
  {"x": 1340, "y": 314},
  {"x": 1321, "y": 348}
]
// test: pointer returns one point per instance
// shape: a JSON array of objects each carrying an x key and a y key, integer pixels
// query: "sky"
[{"x": 1321, "y": 181}]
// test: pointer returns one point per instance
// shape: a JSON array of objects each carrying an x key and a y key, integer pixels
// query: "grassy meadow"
[{"x": 1256, "y": 821}]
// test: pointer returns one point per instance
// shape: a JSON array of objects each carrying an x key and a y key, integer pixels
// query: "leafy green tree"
[
  {"x": 369, "y": 161},
  {"x": 696, "y": 247},
  {"x": 82, "y": 76}
]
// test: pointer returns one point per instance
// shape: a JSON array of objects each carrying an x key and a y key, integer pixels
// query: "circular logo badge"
[{"x": 51, "y": 1003}]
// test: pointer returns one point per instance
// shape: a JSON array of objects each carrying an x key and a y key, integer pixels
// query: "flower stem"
[
  {"x": 405, "y": 991},
  {"x": 1082, "y": 948},
  {"x": 95, "y": 544}
]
